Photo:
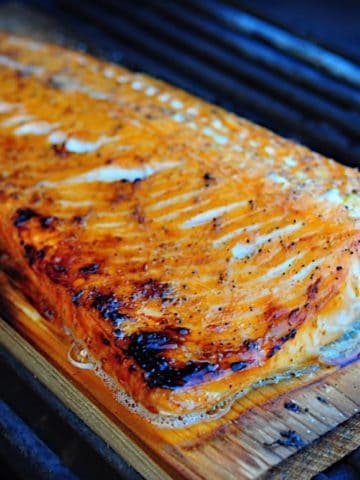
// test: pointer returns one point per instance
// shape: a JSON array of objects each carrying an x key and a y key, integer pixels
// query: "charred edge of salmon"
[
  {"x": 150, "y": 350},
  {"x": 24, "y": 215}
]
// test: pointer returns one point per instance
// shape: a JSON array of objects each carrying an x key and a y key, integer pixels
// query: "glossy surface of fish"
[{"x": 192, "y": 252}]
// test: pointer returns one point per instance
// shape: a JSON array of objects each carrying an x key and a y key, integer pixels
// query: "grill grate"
[
  {"x": 42, "y": 440},
  {"x": 241, "y": 62}
]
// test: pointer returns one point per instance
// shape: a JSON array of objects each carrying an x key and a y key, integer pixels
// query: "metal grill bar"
[
  {"x": 19, "y": 442},
  {"x": 330, "y": 62}
]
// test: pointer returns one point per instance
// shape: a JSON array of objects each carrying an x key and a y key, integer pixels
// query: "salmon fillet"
[{"x": 192, "y": 253}]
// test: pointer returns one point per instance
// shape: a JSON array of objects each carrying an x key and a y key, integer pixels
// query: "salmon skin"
[{"x": 192, "y": 253}]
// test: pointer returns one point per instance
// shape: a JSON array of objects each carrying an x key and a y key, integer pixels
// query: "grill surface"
[
  {"x": 234, "y": 58},
  {"x": 246, "y": 56},
  {"x": 39, "y": 435}
]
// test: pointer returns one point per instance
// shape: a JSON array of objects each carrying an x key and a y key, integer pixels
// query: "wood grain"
[
  {"x": 321, "y": 454},
  {"x": 242, "y": 444}
]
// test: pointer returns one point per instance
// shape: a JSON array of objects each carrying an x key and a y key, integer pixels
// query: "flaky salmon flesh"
[{"x": 192, "y": 253}]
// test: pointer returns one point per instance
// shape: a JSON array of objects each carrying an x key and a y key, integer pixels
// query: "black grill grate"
[
  {"x": 40, "y": 439},
  {"x": 241, "y": 62}
]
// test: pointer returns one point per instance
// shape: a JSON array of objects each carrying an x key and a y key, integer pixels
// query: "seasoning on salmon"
[{"x": 193, "y": 253}]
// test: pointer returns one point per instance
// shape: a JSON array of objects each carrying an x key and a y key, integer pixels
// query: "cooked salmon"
[{"x": 192, "y": 253}]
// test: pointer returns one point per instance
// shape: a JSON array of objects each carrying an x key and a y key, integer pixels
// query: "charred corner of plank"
[
  {"x": 292, "y": 406},
  {"x": 289, "y": 438},
  {"x": 322, "y": 399}
]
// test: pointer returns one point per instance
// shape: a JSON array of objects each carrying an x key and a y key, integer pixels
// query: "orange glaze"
[{"x": 193, "y": 252}]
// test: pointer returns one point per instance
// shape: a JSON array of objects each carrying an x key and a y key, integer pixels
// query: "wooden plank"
[{"x": 242, "y": 444}]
